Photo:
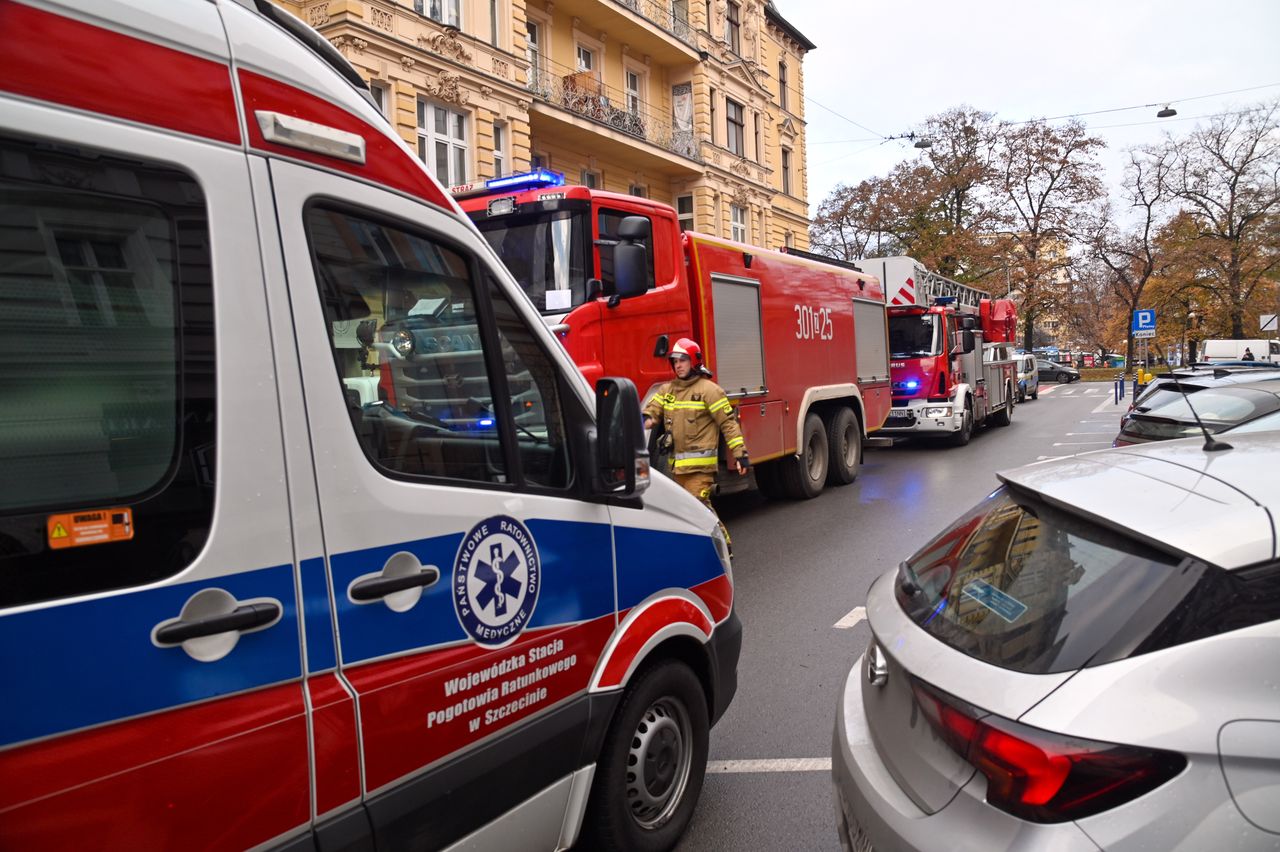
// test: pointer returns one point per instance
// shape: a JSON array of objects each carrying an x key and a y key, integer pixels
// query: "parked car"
[
  {"x": 1199, "y": 376},
  {"x": 1170, "y": 413},
  {"x": 1052, "y": 371},
  {"x": 1067, "y": 667},
  {"x": 1028, "y": 378}
]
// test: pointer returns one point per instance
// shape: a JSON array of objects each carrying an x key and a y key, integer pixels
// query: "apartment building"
[{"x": 697, "y": 103}]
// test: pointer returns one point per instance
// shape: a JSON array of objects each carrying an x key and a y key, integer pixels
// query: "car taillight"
[{"x": 1041, "y": 776}]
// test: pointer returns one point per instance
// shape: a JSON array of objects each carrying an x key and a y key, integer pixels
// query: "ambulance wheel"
[
  {"x": 650, "y": 772},
  {"x": 844, "y": 443},
  {"x": 804, "y": 476},
  {"x": 960, "y": 438}
]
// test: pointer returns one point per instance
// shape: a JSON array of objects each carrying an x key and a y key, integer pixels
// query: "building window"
[
  {"x": 493, "y": 22},
  {"x": 539, "y": 161},
  {"x": 786, "y": 171},
  {"x": 684, "y": 212},
  {"x": 381, "y": 96},
  {"x": 442, "y": 142},
  {"x": 734, "y": 126},
  {"x": 638, "y": 191},
  {"x": 788, "y": 239},
  {"x": 680, "y": 15},
  {"x": 733, "y": 27},
  {"x": 635, "y": 91},
  {"x": 444, "y": 11},
  {"x": 713, "y": 116},
  {"x": 738, "y": 223},
  {"x": 758, "y": 150},
  {"x": 586, "y": 59},
  {"x": 533, "y": 51},
  {"x": 591, "y": 179},
  {"x": 782, "y": 85},
  {"x": 499, "y": 148}
]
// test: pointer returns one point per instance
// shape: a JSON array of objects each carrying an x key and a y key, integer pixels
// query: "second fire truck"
[{"x": 951, "y": 353}]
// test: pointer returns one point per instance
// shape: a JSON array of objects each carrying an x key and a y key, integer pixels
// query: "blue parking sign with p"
[{"x": 1144, "y": 320}]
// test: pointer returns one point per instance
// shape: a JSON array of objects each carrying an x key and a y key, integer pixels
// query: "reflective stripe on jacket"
[{"x": 695, "y": 412}]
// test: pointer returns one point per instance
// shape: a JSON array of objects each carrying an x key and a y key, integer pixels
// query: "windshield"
[
  {"x": 913, "y": 336},
  {"x": 545, "y": 253}
]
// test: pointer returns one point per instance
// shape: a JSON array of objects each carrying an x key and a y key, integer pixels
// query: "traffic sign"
[
  {"x": 1267, "y": 322},
  {"x": 1143, "y": 333},
  {"x": 1144, "y": 319}
]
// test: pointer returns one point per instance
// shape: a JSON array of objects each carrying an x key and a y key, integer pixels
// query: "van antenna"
[{"x": 1210, "y": 445}]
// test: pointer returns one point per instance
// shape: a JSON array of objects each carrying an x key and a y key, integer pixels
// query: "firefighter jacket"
[{"x": 696, "y": 412}]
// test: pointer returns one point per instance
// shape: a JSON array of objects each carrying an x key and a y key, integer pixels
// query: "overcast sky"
[{"x": 889, "y": 65}]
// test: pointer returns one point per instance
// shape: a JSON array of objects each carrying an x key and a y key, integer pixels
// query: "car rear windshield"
[
  {"x": 1026, "y": 586},
  {"x": 1171, "y": 416}
]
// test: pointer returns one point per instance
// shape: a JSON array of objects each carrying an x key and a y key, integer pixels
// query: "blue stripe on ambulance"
[
  {"x": 649, "y": 560},
  {"x": 76, "y": 665},
  {"x": 317, "y": 617}
]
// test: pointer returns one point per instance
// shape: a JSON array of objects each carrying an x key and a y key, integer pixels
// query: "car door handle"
[
  {"x": 373, "y": 588},
  {"x": 242, "y": 618}
]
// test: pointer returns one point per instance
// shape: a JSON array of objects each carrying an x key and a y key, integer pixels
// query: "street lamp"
[{"x": 1167, "y": 112}]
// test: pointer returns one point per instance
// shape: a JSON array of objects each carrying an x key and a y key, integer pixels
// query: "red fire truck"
[
  {"x": 798, "y": 344},
  {"x": 951, "y": 353}
]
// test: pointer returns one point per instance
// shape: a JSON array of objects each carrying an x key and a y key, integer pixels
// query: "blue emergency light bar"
[
  {"x": 536, "y": 179},
  {"x": 944, "y": 300}
]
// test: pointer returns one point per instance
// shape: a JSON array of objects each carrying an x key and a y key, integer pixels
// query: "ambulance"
[{"x": 312, "y": 536}]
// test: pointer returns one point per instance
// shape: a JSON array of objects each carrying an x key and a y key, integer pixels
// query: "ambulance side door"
[
  {"x": 149, "y": 643},
  {"x": 474, "y": 589}
]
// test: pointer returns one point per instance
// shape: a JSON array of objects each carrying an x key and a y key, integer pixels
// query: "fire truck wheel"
[
  {"x": 844, "y": 443},
  {"x": 804, "y": 476},
  {"x": 650, "y": 772},
  {"x": 960, "y": 438}
]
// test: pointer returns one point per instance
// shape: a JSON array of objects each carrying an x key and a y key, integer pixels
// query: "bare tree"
[
  {"x": 850, "y": 225},
  {"x": 1228, "y": 176},
  {"x": 1093, "y": 313},
  {"x": 1131, "y": 254},
  {"x": 963, "y": 143},
  {"x": 1048, "y": 183}
]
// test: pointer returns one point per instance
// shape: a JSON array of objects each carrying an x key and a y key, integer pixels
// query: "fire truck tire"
[
  {"x": 844, "y": 444},
  {"x": 961, "y": 437},
  {"x": 650, "y": 772},
  {"x": 1004, "y": 416},
  {"x": 803, "y": 476}
]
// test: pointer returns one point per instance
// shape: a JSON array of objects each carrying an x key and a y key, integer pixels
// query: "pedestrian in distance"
[
  {"x": 1248, "y": 354},
  {"x": 694, "y": 412}
]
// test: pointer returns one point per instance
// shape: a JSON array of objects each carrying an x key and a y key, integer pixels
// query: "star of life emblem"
[{"x": 496, "y": 580}]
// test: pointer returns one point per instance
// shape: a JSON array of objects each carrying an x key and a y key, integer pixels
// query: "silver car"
[{"x": 1089, "y": 658}]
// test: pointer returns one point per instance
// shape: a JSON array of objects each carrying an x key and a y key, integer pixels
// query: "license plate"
[{"x": 898, "y": 414}]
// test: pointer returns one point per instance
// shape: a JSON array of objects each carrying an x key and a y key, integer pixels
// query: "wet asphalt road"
[{"x": 800, "y": 567}]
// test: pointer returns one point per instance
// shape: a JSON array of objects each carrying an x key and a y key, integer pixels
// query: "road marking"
[
  {"x": 858, "y": 613},
  {"x": 780, "y": 764},
  {"x": 1080, "y": 443},
  {"x": 1046, "y": 458},
  {"x": 1094, "y": 432},
  {"x": 1104, "y": 405},
  {"x": 1112, "y": 422},
  {"x": 1050, "y": 389}
]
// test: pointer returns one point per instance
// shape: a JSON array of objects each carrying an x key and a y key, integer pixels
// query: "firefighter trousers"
[{"x": 700, "y": 485}]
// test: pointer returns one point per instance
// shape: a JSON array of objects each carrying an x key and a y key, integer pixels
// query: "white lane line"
[
  {"x": 1094, "y": 432},
  {"x": 781, "y": 764},
  {"x": 1105, "y": 405},
  {"x": 1049, "y": 389},
  {"x": 1080, "y": 443},
  {"x": 1108, "y": 421},
  {"x": 855, "y": 615},
  {"x": 1044, "y": 458}
]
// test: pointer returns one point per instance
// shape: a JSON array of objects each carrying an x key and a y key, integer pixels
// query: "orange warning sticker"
[{"x": 94, "y": 526}]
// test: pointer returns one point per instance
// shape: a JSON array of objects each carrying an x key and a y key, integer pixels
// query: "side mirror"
[
  {"x": 622, "y": 461},
  {"x": 966, "y": 345},
  {"x": 630, "y": 258}
]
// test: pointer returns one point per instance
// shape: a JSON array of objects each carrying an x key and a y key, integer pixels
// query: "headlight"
[
  {"x": 722, "y": 550},
  {"x": 938, "y": 411},
  {"x": 402, "y": 341}
]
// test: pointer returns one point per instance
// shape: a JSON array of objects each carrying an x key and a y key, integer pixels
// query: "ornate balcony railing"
[
  {"x": 665, "y": 16},
  {"x": 581, "y": 93}
]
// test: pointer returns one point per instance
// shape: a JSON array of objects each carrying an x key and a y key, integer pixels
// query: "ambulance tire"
[
  {"x": 803, "y": 476},
  {"x": 661, "y": 725},
  {"x": 844, "y": 444}
]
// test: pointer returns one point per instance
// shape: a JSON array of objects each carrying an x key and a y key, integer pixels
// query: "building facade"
[{"x": 696, "y": 103}]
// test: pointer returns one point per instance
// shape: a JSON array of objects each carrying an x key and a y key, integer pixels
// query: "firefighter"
[{"x": 695, "y": 412}]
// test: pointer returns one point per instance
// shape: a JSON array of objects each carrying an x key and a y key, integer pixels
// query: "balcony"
[
  {"x": 581, "y": 93},
  {"x": 651, "y": 27}
]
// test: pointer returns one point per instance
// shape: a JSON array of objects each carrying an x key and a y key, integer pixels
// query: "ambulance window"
[
  {"x": 609, "y": 222},
  {"x": 531, "y": 378},
  {"x": 106, "y": 372},
  {"x": 408, "y": 348}
]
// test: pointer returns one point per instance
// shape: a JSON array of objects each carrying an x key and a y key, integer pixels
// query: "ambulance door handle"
[
  {"x": 240, "y": 619},
  {"x": 373, "y": 588}
]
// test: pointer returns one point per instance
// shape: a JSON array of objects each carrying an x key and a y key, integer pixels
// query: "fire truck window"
[
  {"x": 545, "y": 255},
  {"x": 532, "y": 398},
  {"x": 609, "y": 222},
  {"x": 408, "y": 349},
  {"x": 106, "y": 372}
]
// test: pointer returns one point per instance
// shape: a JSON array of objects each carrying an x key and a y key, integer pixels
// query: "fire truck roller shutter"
[
  {"x": 739, "y": 365},
  {"x": 872, "y": 349}
]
